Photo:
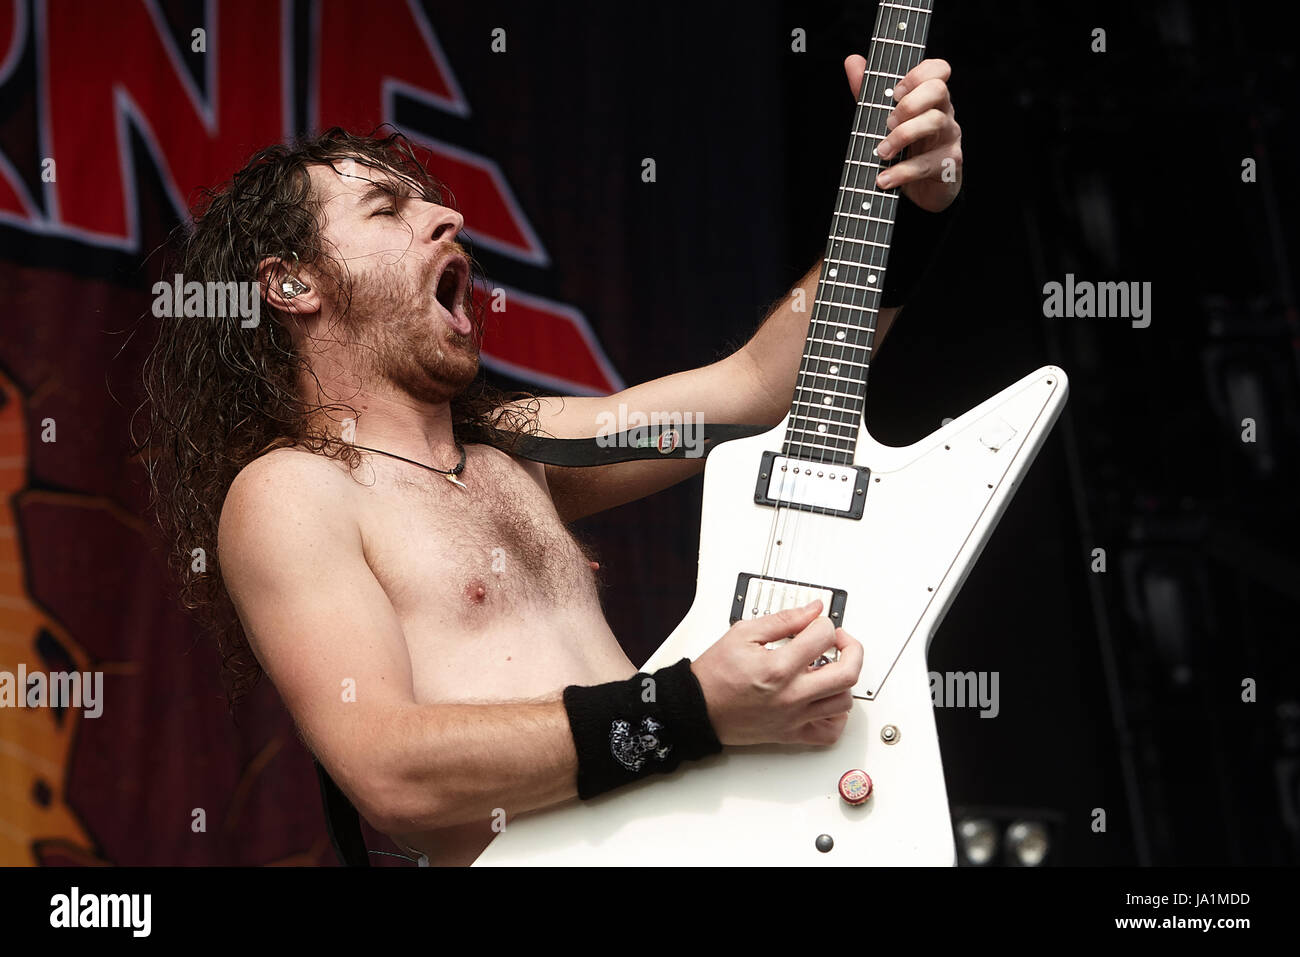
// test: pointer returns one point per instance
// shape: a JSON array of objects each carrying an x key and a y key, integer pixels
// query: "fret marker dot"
[
  {"x": 826, "y": 401},
  {"x": 821, "y": 428},
  {"x": 871, "y": 279},
  {"x": 840, "y": 334},
  {"x": 866, "y": 206},
  {"x": 902, "y": 25},
  {"x": 832, "y": 273},
  {"x": 835, "y": 370},
  {"x": 889, "y": 92}
]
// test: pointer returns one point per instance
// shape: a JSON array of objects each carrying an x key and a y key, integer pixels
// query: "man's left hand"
[{"x": 924, "y": 120}]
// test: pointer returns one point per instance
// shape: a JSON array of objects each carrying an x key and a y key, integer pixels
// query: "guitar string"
[
  {"x": 880, "y": 60},
  {"x": 860, "y": 150},
  {"x": 823, "y": 313},
  {"x": 788, "y": 524}
]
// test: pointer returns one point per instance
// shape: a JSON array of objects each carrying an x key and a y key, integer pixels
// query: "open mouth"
[{"x": 452, "y": 284}]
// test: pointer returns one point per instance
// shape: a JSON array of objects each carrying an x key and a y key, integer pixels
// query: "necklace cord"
[{"x": 456, "y": 470}]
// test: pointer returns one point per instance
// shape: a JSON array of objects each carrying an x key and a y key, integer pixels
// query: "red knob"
[{"x": 855, "y": 786}]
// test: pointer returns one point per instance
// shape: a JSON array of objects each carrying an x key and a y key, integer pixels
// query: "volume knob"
[{"x": 855, "y": 786}]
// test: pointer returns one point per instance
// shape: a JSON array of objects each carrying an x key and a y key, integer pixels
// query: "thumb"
[
  {"x": 781, "y": 624},
  {"x": 854, "y": 67}
]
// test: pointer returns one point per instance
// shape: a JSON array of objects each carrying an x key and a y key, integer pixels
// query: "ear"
[{"x": 277, "y": 277}]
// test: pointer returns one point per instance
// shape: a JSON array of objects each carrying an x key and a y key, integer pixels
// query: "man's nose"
[{"x": 446, "y": 224}]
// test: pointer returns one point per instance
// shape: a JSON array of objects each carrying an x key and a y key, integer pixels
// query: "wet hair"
[{"x": 219, "y": 395}]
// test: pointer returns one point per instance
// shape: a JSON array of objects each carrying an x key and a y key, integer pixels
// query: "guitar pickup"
[
  {"x": 759, "y": 595},
  {"x": 812, "y": 486}
]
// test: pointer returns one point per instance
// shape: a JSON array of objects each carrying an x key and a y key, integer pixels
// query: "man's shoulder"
[
  {"x": 285, "y": 487},
  {"x": 289, "y": 472}
]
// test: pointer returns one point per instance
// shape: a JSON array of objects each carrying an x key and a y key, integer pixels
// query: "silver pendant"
[{"x": 455, "y": 481}]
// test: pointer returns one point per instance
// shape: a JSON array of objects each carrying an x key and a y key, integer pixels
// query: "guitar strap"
[{"x": 650, "y": 442}]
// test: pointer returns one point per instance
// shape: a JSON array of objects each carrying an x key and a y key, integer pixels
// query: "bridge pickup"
[
  {"x": 758, "y": 595},
  {"x": 812, "y": 486}
]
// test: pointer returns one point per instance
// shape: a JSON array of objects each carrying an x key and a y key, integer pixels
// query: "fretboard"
[{"x": 829, "y": 398}]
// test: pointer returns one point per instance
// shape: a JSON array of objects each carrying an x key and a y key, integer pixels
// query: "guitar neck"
[{"x": 829, "y": 398}]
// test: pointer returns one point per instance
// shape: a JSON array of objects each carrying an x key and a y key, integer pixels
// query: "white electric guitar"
[{"x": 818, "y": 509}]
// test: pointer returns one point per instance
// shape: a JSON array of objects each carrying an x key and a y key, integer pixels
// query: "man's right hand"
[{"x": 758, "y": 695}]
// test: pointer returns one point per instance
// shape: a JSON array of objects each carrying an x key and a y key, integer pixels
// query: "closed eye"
[{"x": 387, "y": 211}]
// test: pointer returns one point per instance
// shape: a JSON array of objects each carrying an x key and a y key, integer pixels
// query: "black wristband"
[
  {"x": 918, "y": 237},
  {"x": 628, "y": 730}
]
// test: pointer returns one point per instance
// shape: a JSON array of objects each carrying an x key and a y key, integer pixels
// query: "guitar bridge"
[{"x": 812, "y": 486}]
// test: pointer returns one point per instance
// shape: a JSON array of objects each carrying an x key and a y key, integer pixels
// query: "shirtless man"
[{"x": 419, "y": 631}]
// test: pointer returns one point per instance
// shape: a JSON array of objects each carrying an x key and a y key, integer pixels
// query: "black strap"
[
  {"x": 651, "y": 442},
  {"x": 647, "y": 442}
]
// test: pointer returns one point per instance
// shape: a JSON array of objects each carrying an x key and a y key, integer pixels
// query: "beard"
[{"x": 400, "y": 337}]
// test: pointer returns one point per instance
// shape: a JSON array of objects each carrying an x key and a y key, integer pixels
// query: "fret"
[
  {"x": 859, "y": 333},
  {"x": 869, "y": 287},
  {"x": 863, "y": 163},
  {"x": 791, "y": 451},
  {"x": 845, "y": 345},
  {"x": 843, "y": 429},
  {"x": 899, "y": 6},
  {"x": 846, "y": 305},
  {"x": 823, "y": 415},
  {"x": 862, "y": 228},
  {"x": 824, "y": 356},
  {"x": 834, "y": 379},
  {"x": 831, "y": 382},
  {"x": 873, "y": 106},
  {"x": 860, "y": 234},
  {"x": 855, "y": 396},
  {"x": 851, "y": 264},
  {"x": 863, "y": 189},
  {"x": 892, "y": 76},
  {"x": 874, "y": 219},
  {"x": 835, "y": 362},
  {"x": 844, "y": 443},
  {"x": 860, "y": 242},
  {"x": 901, "y": 43},
  {"x": 831, "y": 322},
  {"x": 835, "y": 428},
  {"x": 851, "y": 285},
  {"x": 860, "y": 276},
  {"x": 848, "y": 433},
  {"x": 853, "y": 378},
  {"x": 846, "y": 325}
]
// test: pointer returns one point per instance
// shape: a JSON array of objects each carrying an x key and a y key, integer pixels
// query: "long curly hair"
[{"x": 219, "y": 395}]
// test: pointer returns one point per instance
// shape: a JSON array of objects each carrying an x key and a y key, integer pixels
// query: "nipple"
[
  {"x": 595, "y": 566},
  {"x": 476, "y": 592}
]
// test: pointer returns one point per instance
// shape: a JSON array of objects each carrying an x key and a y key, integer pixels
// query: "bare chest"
[{"x": 467, "y": 558}]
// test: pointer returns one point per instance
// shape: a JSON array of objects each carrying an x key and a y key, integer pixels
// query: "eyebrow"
[{"x": 379, "y": 189}]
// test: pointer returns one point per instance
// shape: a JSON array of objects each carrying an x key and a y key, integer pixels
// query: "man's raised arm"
[{"x": 755, "y": 385}]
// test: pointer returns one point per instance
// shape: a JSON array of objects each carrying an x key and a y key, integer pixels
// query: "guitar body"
[{"x": 925, "y": 514}]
